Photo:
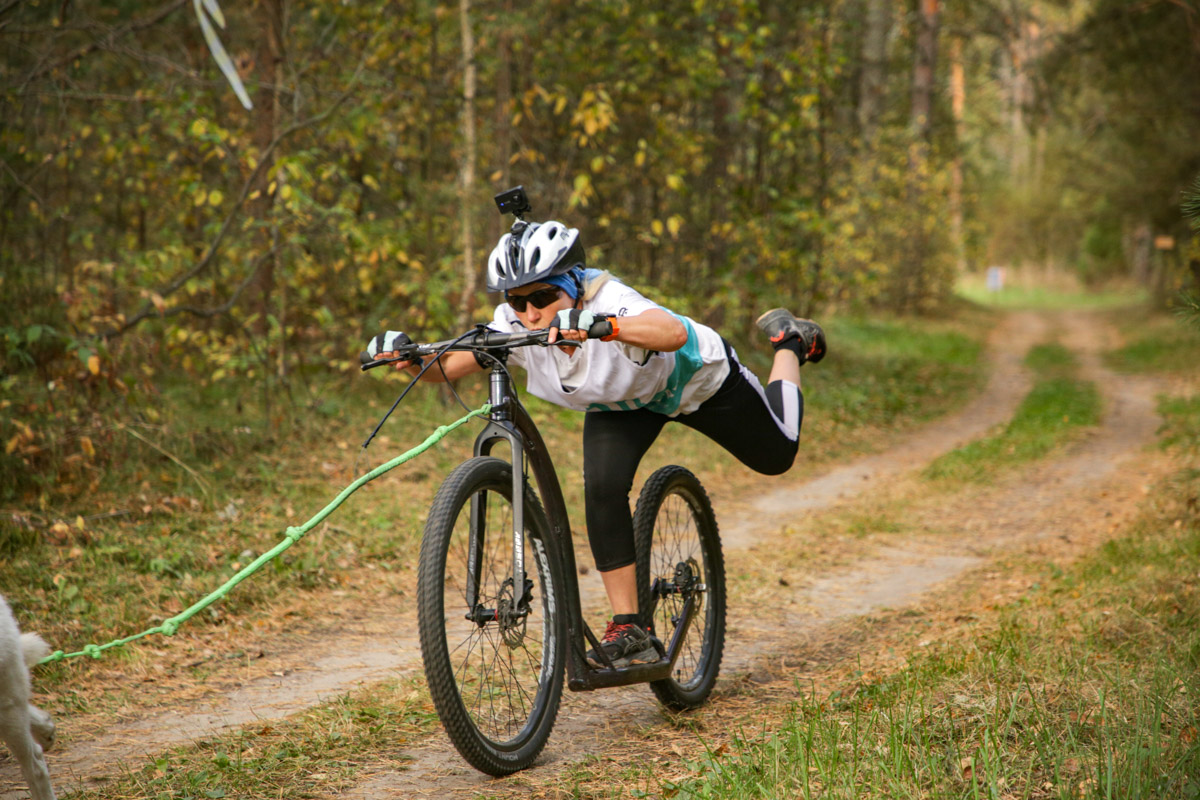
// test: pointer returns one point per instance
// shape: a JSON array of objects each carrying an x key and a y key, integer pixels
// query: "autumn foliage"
[{"x": 728, "y": 155}]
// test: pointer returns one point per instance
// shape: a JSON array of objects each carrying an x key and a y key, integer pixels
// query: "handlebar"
[{"x": 481, "y": 339}]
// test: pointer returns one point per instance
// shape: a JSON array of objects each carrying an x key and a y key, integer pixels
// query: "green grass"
[
  {"x": 1156, "y": 342},
  {"x": 176, "y": 542},
  {"x": 1181, "y": 422},
  {"x": 154, "y": 539},
  {"x": 886, "y": 373},
  {"x": 1086, "y": 688},
  {"x": 1037, "y": 293},
  {"x": 1055, "y": 411}
]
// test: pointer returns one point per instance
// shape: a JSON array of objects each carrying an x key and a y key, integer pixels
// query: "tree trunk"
[
  {"x": 958, "y": 99},
  {"x": 874, "y": 66},
  {"x": 1016, "y": 110},
  {"x": 467, "y": 168},
  {"x": 816, "y": 287},
  {"x": 269, "y": 60},
  {"x": 716, "y": 179},
  {"x": 1023, "y": 52},
  {"x": 433, "y": 98},
  {"x": 271, "y": 15},
  {"x": 504, "y": 110},
  {"x": 1141, "y": 245},
  {"x": 924, "y": 69},
  {"x": 912, "y": 284}
]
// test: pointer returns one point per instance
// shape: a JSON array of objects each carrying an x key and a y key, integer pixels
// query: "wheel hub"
[{"x": 509, "y": 617}]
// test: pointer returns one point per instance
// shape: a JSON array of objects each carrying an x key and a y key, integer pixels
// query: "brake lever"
[{"x": 371, "y": 363}]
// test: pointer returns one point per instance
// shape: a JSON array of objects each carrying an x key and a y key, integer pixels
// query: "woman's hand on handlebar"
[
  {"x": 384, "y": 347},
  {"x": 578, "y": 325},
  {"x": 387, "y": 345}
]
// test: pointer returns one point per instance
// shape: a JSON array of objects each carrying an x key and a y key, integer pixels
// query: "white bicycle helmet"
[{"x": 532, "y": 253}]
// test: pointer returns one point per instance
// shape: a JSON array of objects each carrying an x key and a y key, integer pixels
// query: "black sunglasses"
[{"x": 540, "y": 299}]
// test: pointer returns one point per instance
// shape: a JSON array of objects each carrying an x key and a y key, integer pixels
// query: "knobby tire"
[
  {"x": 674, "y": 523},
  {"x": 496, "y": 683}
]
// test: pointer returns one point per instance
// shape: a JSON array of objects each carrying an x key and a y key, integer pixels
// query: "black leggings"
[{"x": 740, "y": 417}]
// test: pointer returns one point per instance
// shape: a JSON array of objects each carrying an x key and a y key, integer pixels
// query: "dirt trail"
[
  {"x": 1057, "y": 498},
  {"x": 1007, "y": 385}
]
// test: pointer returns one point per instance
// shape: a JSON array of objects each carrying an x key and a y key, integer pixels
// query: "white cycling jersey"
[{"x": 614, "y": 376}]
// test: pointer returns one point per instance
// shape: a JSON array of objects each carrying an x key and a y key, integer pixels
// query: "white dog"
[{"x": 26, "y": 729}]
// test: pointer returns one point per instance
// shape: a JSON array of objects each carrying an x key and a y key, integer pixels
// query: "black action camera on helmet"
[{"x": 513, "y": 202}]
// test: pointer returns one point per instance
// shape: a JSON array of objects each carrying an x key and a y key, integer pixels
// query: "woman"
[{"x": 656, "y": 367}]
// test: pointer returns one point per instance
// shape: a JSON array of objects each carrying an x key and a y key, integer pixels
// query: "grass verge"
[
  {"x": 887, "y": 373},
  {"x": 1084, "y": 685},
  {"x": 1054, "y": 412},
  {"x": 1156, "y": 342}
]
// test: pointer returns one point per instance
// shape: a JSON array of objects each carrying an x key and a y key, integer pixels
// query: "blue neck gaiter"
[{"x": 569, "y": 282}]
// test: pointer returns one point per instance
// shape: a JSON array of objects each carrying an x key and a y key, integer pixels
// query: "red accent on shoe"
[{"x": 614, "y": 631}]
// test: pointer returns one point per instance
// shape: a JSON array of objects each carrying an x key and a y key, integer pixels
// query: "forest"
[
  {"x": 826, "y": 155},
  {"x": 206, "y": 209}
]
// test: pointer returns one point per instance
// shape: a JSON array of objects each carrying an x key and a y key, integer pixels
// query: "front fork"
[
  {"x": 513, "y": 605},
  {"x": 517, "y": 583},
  {"x": 498, "y": 388},
  {"x": 517, "y": 577}
]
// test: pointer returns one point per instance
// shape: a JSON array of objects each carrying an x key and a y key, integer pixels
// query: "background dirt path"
[{"x": 1069, "y": 497}]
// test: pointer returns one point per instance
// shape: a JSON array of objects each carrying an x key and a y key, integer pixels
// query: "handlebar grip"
[
  {"x": 365, "y": 358},
  {"x": 601, "y": 328}
]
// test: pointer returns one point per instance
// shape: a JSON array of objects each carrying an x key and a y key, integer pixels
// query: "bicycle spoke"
[
  {"x": 498, "y": 672},
  {"x": 678, "y": 542},
  {"x": 512, "y": 685}
]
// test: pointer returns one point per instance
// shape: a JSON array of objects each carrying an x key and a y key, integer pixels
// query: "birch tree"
[{"x": 466, "y": 178}]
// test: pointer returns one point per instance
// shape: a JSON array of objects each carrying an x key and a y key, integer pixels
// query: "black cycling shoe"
[
  {"x": 625, "y": 644},
  {"x": 802, "y": 336}
]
